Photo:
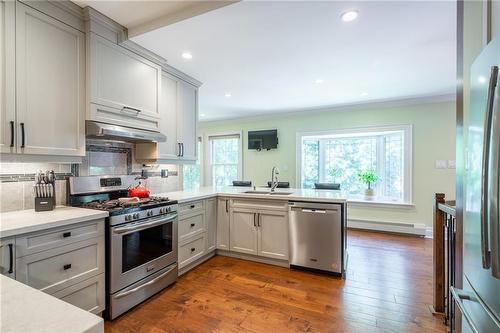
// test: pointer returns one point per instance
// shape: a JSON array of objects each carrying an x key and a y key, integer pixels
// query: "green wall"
[{"x": 433, "y": 139}]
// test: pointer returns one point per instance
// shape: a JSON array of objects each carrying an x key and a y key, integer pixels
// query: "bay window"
[{"x": 338, "y": 156}]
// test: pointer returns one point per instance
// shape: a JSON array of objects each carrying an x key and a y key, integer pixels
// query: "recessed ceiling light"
[
  {"x": 481, "y": 79},
  {"x": 364, "y": 94},
  {"x": 202, "y": 115},
  {"x": 187, "y": 55},
  {"x": 227, "y": 95},
  {"x": 349, "y": 15},
  {"x": 319, "y": 81}
]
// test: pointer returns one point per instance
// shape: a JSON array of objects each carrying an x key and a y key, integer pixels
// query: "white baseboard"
[{"x": 418, "y": 229}]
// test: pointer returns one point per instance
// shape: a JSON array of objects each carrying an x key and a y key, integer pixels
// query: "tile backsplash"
[{"x": 16, "y": 186}]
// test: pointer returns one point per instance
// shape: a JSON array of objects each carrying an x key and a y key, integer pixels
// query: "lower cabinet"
[
  {"x": 223, "y": 223},
  {"x": 259, "y": 232},
  {"x": 191, "y": 251},
  {"x": 211, "y": 223},
  {"x": 87, "y": 295},
  {"x": 66, "y": 262}
]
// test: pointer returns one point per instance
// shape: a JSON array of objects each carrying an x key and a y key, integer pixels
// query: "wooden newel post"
[{"x": 438, "y": 254}]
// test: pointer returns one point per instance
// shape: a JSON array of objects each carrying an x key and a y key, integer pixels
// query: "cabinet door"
[
  {"x": 223, "y": 223},
  {"x": 7, "y": 257},
  {"x": 211, "y": 223},
  {"x": 126, "y": 85},
  {"x": 7, "y": 77},
  {"x": 187, "y": 119},
  {"x": 168, "y": 117},
  {"x": 243, "y": 230},
  {"x": 273, "y": 234},
  {"x": 50, "y": 85}
]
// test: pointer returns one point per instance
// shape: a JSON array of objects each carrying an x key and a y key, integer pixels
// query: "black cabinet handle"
[
  {"x": 11, "y": 259},
  {"x": 12, "y": 134},
  {"x": 192, "y": 225},
  {"x": 67, "y": 234},
  {"x": 193, "y": 249},
  {"x": 22, "y": 135},
  {"x": 227, "y": 210},
  {"x": 68, "y": 266},
  {"x": 182, "y": 149},
  {"x": 179, "y": 147},
  {"x": 192, "y": 206}
]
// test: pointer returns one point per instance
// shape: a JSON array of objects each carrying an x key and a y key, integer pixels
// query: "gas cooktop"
[{"x": 128, "y": 205}]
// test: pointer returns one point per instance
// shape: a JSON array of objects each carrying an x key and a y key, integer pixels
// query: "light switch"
[
  {"x": 441, "y": 164},
  {"x": 451, "y": 164}
]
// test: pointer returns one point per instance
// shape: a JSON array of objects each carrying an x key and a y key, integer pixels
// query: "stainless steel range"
[{"x": 141, "y": 239}]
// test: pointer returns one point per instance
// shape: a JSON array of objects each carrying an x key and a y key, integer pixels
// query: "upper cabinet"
[
  {"x": 42, "y": 110},
  {"x": 124, "y": 86},
  {"x": 178, "y": 121}
]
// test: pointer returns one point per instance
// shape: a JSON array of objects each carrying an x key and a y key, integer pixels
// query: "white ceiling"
[
  {"x": 268, "y": 54},
  {"x": 140, "y": 16}
]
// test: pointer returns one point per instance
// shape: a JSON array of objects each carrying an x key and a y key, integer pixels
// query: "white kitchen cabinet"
[
  {"x": 8, "y": 257},
  {"x": 223, "y": 223},
  {"x": 50, "y": 85},
  {"x": 243, "y": 231},
  {"x": 7, "y": 75},
  {"x": 273, "y": 234},
  {"x": 211, "y": 223},
  {"x": 187, "y": 120},
  {"x": 124, "y": 86},
  {"x": 87, "y": 295},
  {"x": 178, "y": 121}
]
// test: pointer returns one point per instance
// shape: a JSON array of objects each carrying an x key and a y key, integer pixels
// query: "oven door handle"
[
  {"x": 142, "y": 226},
  {"x": 156, "y": 279}
]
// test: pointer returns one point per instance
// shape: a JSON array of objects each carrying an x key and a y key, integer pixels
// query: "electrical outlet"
[
  {"x": 164, "y": 173},
  {"x": 441, "y": 164},
  {"x": 452, "y": 164}
]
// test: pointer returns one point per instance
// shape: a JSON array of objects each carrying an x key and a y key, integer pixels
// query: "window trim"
[
  {"x": 407, "y": 158},
  {"x": 200, "y": 159},
  {"x": 207, "y": 162}
]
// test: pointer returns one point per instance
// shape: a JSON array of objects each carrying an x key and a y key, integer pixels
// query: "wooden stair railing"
[{"x": 444, "y": 229}]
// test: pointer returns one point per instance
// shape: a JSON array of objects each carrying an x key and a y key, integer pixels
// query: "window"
[
  {"x": 191, "y": 173},
  {"x": 224, "y": 159},
  {"x": 338, "y": 156}
]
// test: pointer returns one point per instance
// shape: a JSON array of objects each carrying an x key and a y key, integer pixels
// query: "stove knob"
[
  {"x": 150, "y": 213},
  {"x": 136, "y": 216},
  {"x": 162, "y": 210},
  {"x": 127, "y": 217}
]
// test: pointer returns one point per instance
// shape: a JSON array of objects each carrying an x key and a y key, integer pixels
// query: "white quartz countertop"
[
  {"x": 24, "y": 221},
  {"x": 25, "y": 309},
  {"x": 326, "y": 196}
]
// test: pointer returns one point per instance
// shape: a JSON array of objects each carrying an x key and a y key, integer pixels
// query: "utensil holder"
[{"x": 44, "y": 204}]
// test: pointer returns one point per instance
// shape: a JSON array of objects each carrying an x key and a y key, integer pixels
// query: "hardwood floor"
[{"x": 388, "y": 289}]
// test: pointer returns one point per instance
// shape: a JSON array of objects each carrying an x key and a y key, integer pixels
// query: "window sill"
[{"x": 379, "y": 203}]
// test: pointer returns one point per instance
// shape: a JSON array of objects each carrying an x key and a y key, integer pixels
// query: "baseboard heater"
[{"x": 403, "y": 228}]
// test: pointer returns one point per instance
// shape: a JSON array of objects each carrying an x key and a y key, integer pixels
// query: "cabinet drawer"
[
  {"x": 191, "y": 251},
  {"x": 87, "y": 295},
  {"x": 189, "y": 207},
  {"x": 42, "y": 241},
  {"x": 272, "y": 204},
  {"x": 192, "y": 225},
  {"x": 55, "y": 269}
]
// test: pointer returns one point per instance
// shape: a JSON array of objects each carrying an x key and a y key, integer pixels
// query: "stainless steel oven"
[{"x": 141, "y": 248}]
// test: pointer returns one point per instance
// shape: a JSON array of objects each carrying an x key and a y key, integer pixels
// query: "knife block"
[{"x": 44, "y": 204}]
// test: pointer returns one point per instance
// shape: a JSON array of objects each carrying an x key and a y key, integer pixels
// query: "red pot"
[{"x": 139, "y": 191}]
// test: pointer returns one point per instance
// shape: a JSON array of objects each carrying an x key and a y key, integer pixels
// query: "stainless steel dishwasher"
[{"x": 318, "y": 237}]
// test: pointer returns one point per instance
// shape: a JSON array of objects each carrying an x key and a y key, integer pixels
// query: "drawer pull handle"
[
  {"x": 192, "y": 206},
  {"x": 11, "y": 259},
  {"x": 192, "y": 225},
  {"x": 193, "y": 249},
  {"x": 66, "y": 267},
  {"x": 67, "y": 234}
]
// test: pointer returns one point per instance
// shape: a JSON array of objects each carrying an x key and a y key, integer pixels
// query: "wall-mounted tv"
[{"x": 266, "y": 139}]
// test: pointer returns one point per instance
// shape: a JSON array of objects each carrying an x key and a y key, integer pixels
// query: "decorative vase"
[{"x": 369, "y": 194}]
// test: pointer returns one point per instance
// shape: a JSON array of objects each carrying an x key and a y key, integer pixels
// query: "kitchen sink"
[{"x": 268, "y": 192}]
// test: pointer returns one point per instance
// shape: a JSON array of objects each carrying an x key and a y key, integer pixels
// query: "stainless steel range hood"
[{"x": 104, "y": 131}]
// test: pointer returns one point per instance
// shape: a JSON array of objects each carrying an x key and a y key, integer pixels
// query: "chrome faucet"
[{"x": 274, "y": 178}]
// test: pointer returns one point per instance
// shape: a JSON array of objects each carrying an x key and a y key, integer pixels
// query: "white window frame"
[
  {"x": 407, "y": 157},
  {"x": 199, "y": 159},
  {"x": 208, "y": 156}
]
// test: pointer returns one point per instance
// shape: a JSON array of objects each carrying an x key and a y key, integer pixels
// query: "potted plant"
[
  {"x": 368, "y": 177},
  {"x": 334, "y": 173}
]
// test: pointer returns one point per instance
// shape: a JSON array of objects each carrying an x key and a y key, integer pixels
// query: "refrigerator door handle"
[
  {"x": 485, "y": 247},
  {"x": 459, "y": 296},
  {"x": 493, "y": 189}
]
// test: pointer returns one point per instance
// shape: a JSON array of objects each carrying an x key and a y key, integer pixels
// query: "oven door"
[{"x": 141, "y": 248}]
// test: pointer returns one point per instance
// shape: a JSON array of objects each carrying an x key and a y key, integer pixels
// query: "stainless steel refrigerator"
[{"x": 479, "y": 300}]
